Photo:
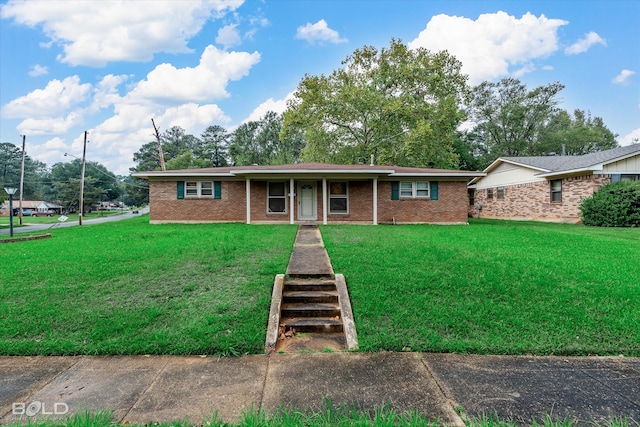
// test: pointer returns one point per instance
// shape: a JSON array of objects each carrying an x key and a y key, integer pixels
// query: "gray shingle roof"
[{"x": 565, "y": 163}]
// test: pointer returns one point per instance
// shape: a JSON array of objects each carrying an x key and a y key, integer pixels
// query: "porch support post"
[
  {"x": 375, "y": 201},
  {"x": 248, "y": 188},
  {"x": 324, "y": 201},
  {"x": 291, "y": 201}
]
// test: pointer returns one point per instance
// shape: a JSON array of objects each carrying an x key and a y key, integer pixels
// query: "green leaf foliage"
[
  {"x": 401, "y": 105},
  {"x": 613, "y": 205}
]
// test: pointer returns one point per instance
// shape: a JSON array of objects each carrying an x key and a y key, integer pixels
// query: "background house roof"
[{"x": 564, "y": 163}]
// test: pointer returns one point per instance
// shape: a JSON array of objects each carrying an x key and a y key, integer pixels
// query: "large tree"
[
  {"x": 580, "y": 134},
  {"x": 262, "y": 142},
  {"x": 10, "y": 165},
  {"x": 215, "y": 141},
  {"x": 509, "y": 118},
  {"x": 99, "y": 184},
  {"x": 401, "y": 105}
]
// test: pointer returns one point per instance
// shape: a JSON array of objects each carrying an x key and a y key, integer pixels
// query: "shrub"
[{"x": 613, "y": 205}]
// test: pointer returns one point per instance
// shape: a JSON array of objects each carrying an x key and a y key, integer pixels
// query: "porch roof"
[{"x": 310, "y": 169}]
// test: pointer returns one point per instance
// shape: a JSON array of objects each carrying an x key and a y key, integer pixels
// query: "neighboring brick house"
[
  {"x": 322, "y": 193},
  {"x": 548, "y": 188}
]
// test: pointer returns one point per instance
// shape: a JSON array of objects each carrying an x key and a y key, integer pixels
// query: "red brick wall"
[
  {"x": 532, "y": 201},
  {"x": 451, "y": 206},
  {"x": 165, "y": 207}
]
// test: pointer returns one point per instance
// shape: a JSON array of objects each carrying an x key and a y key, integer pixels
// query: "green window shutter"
[
  {"x": 433, "y": 190},
  {"x": 395, "y": 191},
  {"x": 180, "y": 189},
  {"x": 217, "y": 190},
  {"x": 615, "y": 177}
]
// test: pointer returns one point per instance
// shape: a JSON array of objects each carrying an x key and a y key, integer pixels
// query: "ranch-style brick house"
[
  {"x": 548, "y": 188},
  {"x": 309, "y": 192}
]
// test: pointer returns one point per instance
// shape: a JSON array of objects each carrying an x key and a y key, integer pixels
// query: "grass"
[
  {"x": 342, "y": 416},
  {"x": 30, "y": 220},
  {"x": 493, "y": 287},
  {"x": 128, "y": 287}
]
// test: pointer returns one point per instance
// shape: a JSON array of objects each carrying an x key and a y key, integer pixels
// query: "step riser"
[
  {"x": 319, "y": 328},
  {"x": 309, "y": 288},
  {"x": 320, "y": 299},
  {"x": 310, "y": 313}
]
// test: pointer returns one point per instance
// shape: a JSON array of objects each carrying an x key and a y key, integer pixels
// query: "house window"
[
  {"x": 472, "y": 196},
  {"x": 489, "y": 193},
  {"x": 414, "y": 189},
  {"x": 198, "y": 188},
  {"x": 556, "y": 191},
  {"x": 277, "y": 197},
  {"x": 630, "y": 177},
  {"x": 338, "y": 198},
  {"x": 500, "y": 193}
]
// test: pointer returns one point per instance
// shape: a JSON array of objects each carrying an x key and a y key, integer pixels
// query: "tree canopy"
[
  {"x": 401, "y": 105},
  {"x": 509, "y": 118}
]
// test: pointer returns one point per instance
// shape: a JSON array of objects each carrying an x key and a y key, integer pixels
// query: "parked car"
[
  {"x": 26, "y": 212},
  {"x": 43, "y": 213}
]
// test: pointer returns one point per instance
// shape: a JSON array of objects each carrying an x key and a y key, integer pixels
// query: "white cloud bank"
[
  {"x": 319, "y": 33},
  {"x": 490, "y": 46},
  {"x": 94, "y": 33},
  {"x": 172, "y": 96}
]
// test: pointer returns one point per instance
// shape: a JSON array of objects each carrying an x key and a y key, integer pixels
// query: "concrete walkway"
[
  {"x": 144, "y": 389},
  {"x": 309, "y": 257}
]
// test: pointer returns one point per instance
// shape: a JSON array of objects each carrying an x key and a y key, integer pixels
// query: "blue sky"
[{"x": 108, "y": 67}]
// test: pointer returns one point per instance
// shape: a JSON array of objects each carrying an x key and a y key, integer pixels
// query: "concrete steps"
[{"x": 311, "y": 305}]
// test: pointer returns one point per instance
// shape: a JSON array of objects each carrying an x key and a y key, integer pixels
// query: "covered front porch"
[{"x": 318, "y": 200}]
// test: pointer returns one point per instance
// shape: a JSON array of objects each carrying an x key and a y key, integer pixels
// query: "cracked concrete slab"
[
  {"x": 367, "y": 381},
  {"x": 194, "y": 388},
  {"x": 523, "y": 388},
  {"x": 20, "y": 377}
]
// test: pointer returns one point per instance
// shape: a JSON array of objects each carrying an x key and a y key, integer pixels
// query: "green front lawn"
[
  {"x": 128, "y": 287},
  {"x": 493, "y": 287}
]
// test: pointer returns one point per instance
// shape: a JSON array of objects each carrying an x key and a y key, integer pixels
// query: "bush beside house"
[{"x": 613, "y": 205}]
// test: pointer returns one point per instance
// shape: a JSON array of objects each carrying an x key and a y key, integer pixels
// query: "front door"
[{"x": 307, "y": 210}]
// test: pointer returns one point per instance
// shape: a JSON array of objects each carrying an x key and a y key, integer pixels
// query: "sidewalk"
[{"x": 144, "y": 389}]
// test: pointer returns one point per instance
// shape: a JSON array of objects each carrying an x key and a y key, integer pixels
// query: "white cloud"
[
  {"x": 38, "y": 70},
  {"x": 49, "y": 125},
  {"x": 52, "y": 101},
  {"x": 319, "y": 33},
  {"x": 623, "y": 77},
  {"x": 94, "y": 33},
  {"x": 208, "y": 80},
  {"x": 277, "y": 106},
  {"x": 490, "y": 45},
  {"x": 228, "y": 36},
  {"x": 631, "y": 138},
  {"x": 585, "y": 43}
]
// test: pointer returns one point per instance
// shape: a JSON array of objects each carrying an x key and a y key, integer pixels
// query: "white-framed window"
[
  {"x": 500, "y": 193},
  {"x": 276, "y": 197},
  {"x": 338, "y": 197},
  {"x": 198, "y": 188},
  {"x": 414, "y": 189}
]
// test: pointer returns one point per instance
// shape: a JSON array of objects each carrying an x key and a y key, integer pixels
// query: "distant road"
[{"x": 44, "y": 227}]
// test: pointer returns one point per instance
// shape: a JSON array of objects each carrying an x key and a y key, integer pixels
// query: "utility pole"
[
  {"x": 24, "y": 138},
  {"x": 84, "y": 152},
  {"x": 160, "y": 152}
]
